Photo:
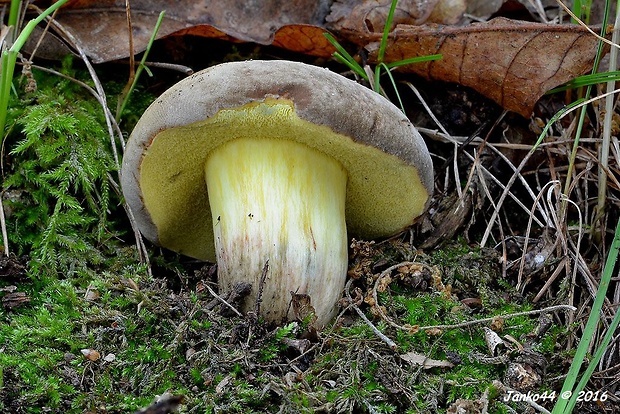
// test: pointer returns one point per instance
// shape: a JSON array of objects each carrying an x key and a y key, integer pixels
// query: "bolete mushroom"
[{"x": 258, "y": 161}]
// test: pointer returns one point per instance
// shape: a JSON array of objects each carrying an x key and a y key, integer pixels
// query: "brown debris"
[{"x": 14, "y": 299}]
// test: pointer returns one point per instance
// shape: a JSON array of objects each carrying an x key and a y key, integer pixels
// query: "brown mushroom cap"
[{"x": 389, "y": 170}]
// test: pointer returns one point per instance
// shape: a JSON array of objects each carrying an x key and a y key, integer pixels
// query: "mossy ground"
[
  {"x": 157, "y": 335},
  {"x": 160, "y": 332}
]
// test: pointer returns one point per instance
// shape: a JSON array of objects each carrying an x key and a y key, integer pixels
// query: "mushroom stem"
[{"x": 284, "y": 202}]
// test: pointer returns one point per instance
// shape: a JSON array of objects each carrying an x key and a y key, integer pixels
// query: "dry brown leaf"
[
  {"x": 91, "y": 354},
  {"x": 514, "y": 63},
  {"x": 511, "y": 62},
  {"x": 101, "y": 25},
  {"x": 423, "y": 361},
  {"x": 369, "y": 16}
]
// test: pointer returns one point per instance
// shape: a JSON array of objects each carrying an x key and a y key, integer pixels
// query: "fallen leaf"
[
  {"x": 493, "y": 340},
  {"x": 462, "y": 406},
  {"x": 301, "y": 345},
  {"x": 109, "y": 358},
  {"x": 369, "y": 16},
  {"x": 448, "y": 12},
  {"x": 511, "y": 62},
  {"x": 220, "y": 388},
  {"x": 423, "y": 361},
  {"x": 91, "y": 354},
  {"x": 483, "y": 9},
  {"x": 91, "y": 294},
  {"x": 302, "y": 307},
  {"x": 100, "y": 26}
]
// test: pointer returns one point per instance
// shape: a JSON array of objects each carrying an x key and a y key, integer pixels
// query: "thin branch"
[
  {"x": 261, "y": 285},
  {"x": 221, "y": 299},
  {"x": 377, "y": 332},
  {"x": 507, "y": 316},
  {"x": 5, "y": 236}
]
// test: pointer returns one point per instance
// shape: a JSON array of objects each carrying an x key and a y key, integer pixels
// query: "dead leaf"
[
  {"x": 91, "y": 354},
  {"x": 522, "y": 376},
  {"x": 493, "y": 340},
  {"x": 109, "y": 358},
  {"x": 370, "y": 16},
  {"x": 100, "y": 26},
  {"x": 462, "y": 406},
  {"x": 511, "y": 62},
  {"x": 302, "y": 308},
  {"x": 448, "y": 12},
  {"x": 423, "y": 361},
  {"x": 220, "y": 388},
  {"x": 483, "y": 9},
  {"x": 301, "y": 345},
  {"x": 11, "y": 267}
]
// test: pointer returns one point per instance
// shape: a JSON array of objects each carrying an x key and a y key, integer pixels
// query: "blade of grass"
[
  {"x": 9, "y": 58},
  {"x": 124, "y": 98},
  {"x": 565, "y": 405},
  {"x": 386, "y": 31},
  {"x": 383, "y": 45},
  {"x": 582, "y": 113},
  {"x": 344, "y": 57},
  {"x": 607, "y": 124},
  {"x": 409, "y": 61},
  {"x": 586, "y": 80},
  {"x": 389, "y": 73}
]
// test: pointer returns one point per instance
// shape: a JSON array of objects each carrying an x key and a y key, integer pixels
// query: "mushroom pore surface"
[{"x": 383, "y": 193}]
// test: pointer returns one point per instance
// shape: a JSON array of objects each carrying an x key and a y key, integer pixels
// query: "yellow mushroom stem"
[{"x": 283, "y": 202}]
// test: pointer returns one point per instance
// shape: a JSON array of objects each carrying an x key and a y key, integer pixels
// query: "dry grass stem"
[
  {"x": 353, "y": 305},
  {"x": 223, "y": 301},
  {"x": 506, "y": 316}
]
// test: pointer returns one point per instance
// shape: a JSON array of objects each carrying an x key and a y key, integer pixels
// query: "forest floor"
[{"x": 89, "y": 326}]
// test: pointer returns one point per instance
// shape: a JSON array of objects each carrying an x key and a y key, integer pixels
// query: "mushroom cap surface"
[{"x": 389, "y": 169}]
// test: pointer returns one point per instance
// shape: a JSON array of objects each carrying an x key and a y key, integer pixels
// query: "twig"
[
  {"x": 377, "y": 332},
  {"x": 508, "y": 316},
  {"x": 186, "y": 70},
  {"x": 221, "y": 299},
  {"x": 261, "y": 285},
  {"x": 5, "y": 236}
]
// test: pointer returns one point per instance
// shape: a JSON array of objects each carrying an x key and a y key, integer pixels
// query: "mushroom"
[{"x": 257, "y": 162}]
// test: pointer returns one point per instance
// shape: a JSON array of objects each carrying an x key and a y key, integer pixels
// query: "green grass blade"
[
  {"x": 564, "y": 406},
  {"x": 344, "y": 57},
  {"x": 9, "y": 59},
  {"x": 409, "y": 61},
  {"x": 14, "y": 13},
  {"x": 141, "y": 66},
  {"x": 389, "y": 73},
  {"x": 386, "y": 31},
  {"x": 587, "y": 80}
]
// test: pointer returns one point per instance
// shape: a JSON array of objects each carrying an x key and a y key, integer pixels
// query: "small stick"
[
  {"x": 510, "y": 315},
  {"x": 261, "y": 285},
  {"x": 221, "y": 299},
  {"x": 377, "y": 332},
  {"x": 5, "y": 236}
]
